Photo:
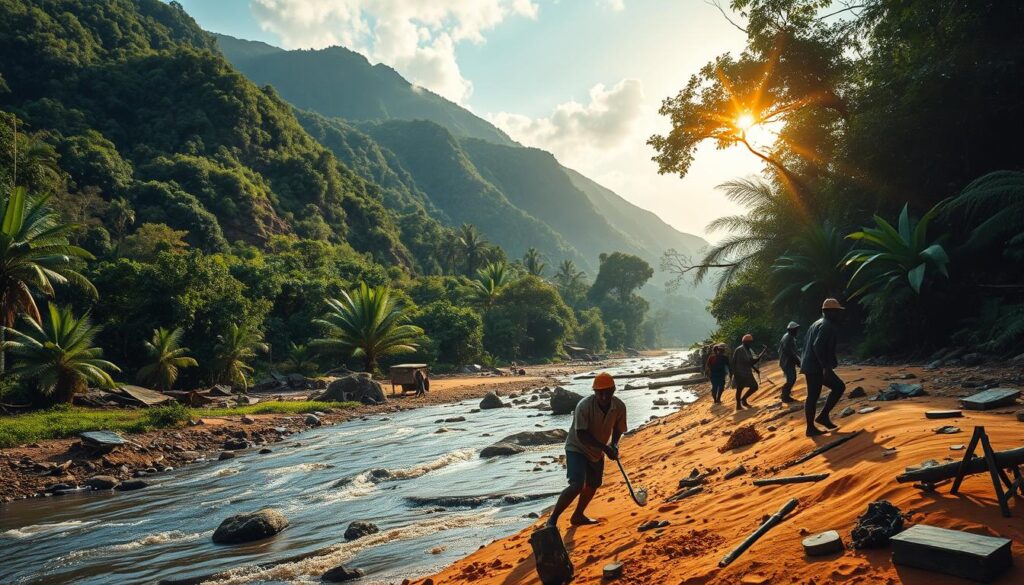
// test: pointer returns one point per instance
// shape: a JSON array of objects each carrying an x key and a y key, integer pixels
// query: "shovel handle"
[{"x": 629, "y": 486}]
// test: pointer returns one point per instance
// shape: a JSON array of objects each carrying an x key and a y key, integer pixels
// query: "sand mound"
[{"x": 741, "y": 437}]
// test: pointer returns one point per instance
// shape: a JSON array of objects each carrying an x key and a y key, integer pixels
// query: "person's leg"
[
  {"x": 575, "y": 471},
  {"x": 787, "y": 388},
  {"x": 717, "y": 387},
  {"x": 739, "y": 395},
  {"x": 748, "y": 394},
  {"x": 811, "y": 403},
  {"x": 836, "y": 390},
  {"x": 594, "y": 479}
]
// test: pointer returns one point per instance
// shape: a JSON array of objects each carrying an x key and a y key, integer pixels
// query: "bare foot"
[
  {"x": 581, "y": 521},
  {"x": 814, "y": 432},
  {"x": 827, "y": 423}
]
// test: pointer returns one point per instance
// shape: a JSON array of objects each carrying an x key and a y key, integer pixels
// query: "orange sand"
[{"x": 706, "y": 526}]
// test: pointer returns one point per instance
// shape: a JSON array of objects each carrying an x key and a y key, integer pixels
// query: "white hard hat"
[{"x": 793, "y": 325}]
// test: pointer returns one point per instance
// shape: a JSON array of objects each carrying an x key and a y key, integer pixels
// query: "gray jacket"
[
  {"x": 788, "y": 353},
  {"x": 820, "y": 348}
]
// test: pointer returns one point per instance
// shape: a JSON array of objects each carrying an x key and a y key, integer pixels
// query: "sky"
[{"x": 580, "y": 78}]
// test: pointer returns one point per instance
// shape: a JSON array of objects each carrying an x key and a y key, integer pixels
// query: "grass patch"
[{"x": 61, "y": 422}]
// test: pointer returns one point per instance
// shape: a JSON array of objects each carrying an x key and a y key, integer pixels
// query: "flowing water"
[{"x": 321, "y": 480}]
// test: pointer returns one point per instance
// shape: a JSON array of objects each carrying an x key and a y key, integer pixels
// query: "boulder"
[
  {"x": 224, "y": 455},
  {"x": 500, "y": 449},
  {"x": 353, "y": 388},
  {"x": 102, "y": 482},
  {"x": 132, "y": 485},
  {"x": 359, "y": 529},
  {"x": 491, "y": 400},
  {"x": 250, "y": 526},
  {"x": 235, "y": 444},
  {"x": 341, "y": 573},
  {"x": 517, "y": 443},
  {"x": 312, "y": 420},
  {"x": 563, "y": 401}
]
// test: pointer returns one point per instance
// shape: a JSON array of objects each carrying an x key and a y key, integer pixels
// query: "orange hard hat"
[
  {"x": 604, "y": 381},
  {"x": 748, "y": 337}
]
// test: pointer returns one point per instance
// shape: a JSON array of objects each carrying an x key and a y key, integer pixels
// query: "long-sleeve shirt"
[
  {"x": 788, "y": 354},
  {"x": 820, "y": 348},
  {"x": 742, "y": 366},
  {"x": 718, "y": 366}
]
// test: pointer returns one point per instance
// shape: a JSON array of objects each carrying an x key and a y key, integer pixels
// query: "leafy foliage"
[
  {"x": 168, "y": 358},
  {"x": 235, "y": 349},
  {"x": 529, "y": 320}
]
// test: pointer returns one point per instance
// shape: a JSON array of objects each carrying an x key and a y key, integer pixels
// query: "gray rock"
[
  {"x": 518, "y": 442},
  {"x": 848, "y": 411},
  {"x": 235, "y": 444},
  {"x": 225, "y": 455},
  {"x": 491, "y": 401},
  {"x": 355, "y": 388},
  {"x": 341, "y": 573},
  {"x": 102, "y": 482},
  {"x": 359, "y": 529},
  {"x": 250, "y": 526},
  {"x": 564, "y": 401},
  {"x": 825, "y": 543},
  {"x": 132, "y": 485},
  {"x": 312, "y": 420},
  {"x": 105, "y": 440},
  {"x": 858, "y": 392},
  {"x": 500, "y": 450},
  {"x": 266, "y": 451}
]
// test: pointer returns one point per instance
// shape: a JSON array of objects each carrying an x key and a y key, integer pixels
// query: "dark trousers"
[
  {"x": 717, "y": 388},
  {"x": 815, "y": 380},
  {"x": 790, "y": 373}
]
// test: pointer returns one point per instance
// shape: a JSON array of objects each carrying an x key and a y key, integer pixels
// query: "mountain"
[
  {"x": 337, "y": 82},
  {"x": 461, "y": 165}
]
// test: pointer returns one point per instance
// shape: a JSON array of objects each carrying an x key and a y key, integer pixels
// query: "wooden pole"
[
  {"x": 1003, "y": 459},
  {"x": 792, "y": 479},
  {"x": 770, "y": 523},
  {"x": 820, "y": 450}
]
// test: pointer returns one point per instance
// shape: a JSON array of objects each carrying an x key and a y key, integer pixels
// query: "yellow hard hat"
[{"x": 604, "y": 381}]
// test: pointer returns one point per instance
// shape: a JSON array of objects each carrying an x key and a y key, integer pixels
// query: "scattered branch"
[
  {"x": 680, "y": 265},
  {"x": 725, "y": 14}
]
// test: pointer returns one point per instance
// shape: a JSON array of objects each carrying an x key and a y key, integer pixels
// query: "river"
[{"x": 321, "y": 480}]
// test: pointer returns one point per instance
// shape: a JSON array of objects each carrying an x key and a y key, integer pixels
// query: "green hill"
[{"x": 337, "y": 82}]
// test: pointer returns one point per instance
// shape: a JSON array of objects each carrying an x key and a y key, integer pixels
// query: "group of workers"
[
  {"x": 817, "y": 363},
  {"x": 599, "y": 420}
]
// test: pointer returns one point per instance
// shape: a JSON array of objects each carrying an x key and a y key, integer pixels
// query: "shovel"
[{"x": 640, "y": 495}]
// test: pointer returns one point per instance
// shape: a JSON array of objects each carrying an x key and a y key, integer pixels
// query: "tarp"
[{"x": 145, "y": 395}]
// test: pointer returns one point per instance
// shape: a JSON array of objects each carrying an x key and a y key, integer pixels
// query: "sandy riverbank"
[
  {"x": 706, "y": 526},
  {"x": 28, "y": 470}
]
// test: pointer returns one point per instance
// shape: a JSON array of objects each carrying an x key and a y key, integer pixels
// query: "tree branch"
[{"x": 716, "y": 4}]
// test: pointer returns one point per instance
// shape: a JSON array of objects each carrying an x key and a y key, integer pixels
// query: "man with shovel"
[{"x": 598, "y": 418}]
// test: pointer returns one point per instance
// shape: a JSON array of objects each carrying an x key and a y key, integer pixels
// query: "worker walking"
[
  {"x": 743, "y": 366},
  {"x": 789, "y": 359},
  {"x": 716, "y": 369},
  {"x": 597, "y": 419},
  {"x": 818, "y": 366}
]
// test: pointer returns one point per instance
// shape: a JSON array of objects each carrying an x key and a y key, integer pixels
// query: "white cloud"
[
  {"x": 575, "y": 132},
  {"x": 416, "y": 37}
]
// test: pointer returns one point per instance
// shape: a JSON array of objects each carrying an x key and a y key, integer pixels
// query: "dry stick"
[
  {"x": 770, "y": 523},
  {"x": 792, "y": 479},
  {"x": 683, "y": 494},
  {"x": 820, "y": 450}
]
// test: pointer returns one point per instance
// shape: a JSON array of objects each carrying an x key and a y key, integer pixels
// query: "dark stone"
[
  {"x": 359, "y": 529},
  {"x": 250, "y": 526},
  {"x": 341, "y": 573},
  {"x": 355, "y": 388},
  {"x": 132, "y": 485},
  {"x": 858, "y": 392},
  {"x": 952, "y": 552},
  {"x": 825, "y": 543},
  {"x": 563, "y": 401},
  {"x": 312, "y": 420},
  {"x": 518, "y": 442},
  {"x": 104, "y": 440},
  {"x": 265, "y": 451},
  {"x": 875, "y": 527},
  {"x": 500, "y": 450},
  {"x": 225, "y": 455},
  {"x": 988, "y": 399},
  {"x": 972, "y": 359},
  {"x": 491, "y": 401},
  {"x": 235, "y": 444},
  {"x": 102, "y": 482}
]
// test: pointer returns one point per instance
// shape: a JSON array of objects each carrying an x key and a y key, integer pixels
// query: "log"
[
  {"x": 685, "y": 493},
  {"x": 686, "y": 382},
  {"x": 675, "y": 372},
  {"x": 774, "y": 520},
  {"x": 791, "y": 479},
  {"x": 1004, "y": 459},
  {"x": 820, "y": 450}
]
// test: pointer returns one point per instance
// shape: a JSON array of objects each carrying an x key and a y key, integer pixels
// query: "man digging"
[{"x": 598, "y": 418}]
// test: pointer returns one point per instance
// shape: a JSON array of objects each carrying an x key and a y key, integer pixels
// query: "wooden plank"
[
  {"x": 791, "y": 479},
  {"x": 683, "y": 382},
  {"x": 952, "y": 552},
  {"x": 989, "y": 399},
  {"x": 943, "y": 414}
]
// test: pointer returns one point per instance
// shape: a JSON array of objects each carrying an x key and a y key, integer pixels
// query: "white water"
[{"x": 359, "y": 470}]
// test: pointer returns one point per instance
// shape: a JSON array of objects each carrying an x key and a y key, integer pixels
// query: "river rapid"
[{"x": 321, "y": 480}]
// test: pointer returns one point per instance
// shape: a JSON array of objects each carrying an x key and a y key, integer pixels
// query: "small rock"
[
  {"x": 102, "y": 482},
  {"x": 225, "y": 455},
  {"x": 359, "y": 529},
  {"x": 563, "y": 401},
  {"x": 132, "y": 485},
  {"x": 825, "y": 543},
  {"x": 250, "y": 526},
  {"x": 341, "y": 573},
  {"x": 868, "y": 409},
  {"x": 848, "y": 411},
  {"x": 858, "y": 392},
  {"x": 266, "y": 451},
  {"x": 491, "y": 401},
  {"x": 246, "y": 419},
  {"x": 956, "y": 447},
  {"x": 235, "y": 444},
  {"x": 312, "y": 420}
]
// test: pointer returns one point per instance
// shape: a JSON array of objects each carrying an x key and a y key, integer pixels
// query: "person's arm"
[
  {"x": 821, "y": 347},
  {"x": 589, "y": 440}
]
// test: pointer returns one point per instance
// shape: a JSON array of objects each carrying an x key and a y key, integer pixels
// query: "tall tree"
[
  {"x": 233, "y": 353},
  {"x": 533, "y": 263},
  {"x": 58, "y": 355},
  {"x": 488, "y": 283},
  {"x": 167, "y": 357},
  {"x": 369, "y": 323},
  {"x": 473, "y": 246},
  {"x": 620, "y": 274}
]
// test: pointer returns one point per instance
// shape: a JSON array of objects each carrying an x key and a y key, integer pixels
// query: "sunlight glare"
[{"x": 745, "y": 121}]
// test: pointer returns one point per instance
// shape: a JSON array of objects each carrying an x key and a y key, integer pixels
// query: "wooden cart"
[{"x": 404, "y": 375}]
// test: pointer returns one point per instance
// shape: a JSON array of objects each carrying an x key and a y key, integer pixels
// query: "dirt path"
[{"x": 707, "y": 525}]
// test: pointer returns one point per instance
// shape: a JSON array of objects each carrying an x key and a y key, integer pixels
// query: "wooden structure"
[
  {"x": 404, "y": 375},
  {"x": 952, "y": 552},
  {"x": 994, "y": 462},
  {"x": 989, "y": 399}
]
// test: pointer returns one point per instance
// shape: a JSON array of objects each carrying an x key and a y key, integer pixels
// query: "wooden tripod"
[{"x": 999, "y": 476}]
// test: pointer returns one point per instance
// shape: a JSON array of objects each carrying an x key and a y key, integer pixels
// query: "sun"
[{"x": 745, "y": 121}]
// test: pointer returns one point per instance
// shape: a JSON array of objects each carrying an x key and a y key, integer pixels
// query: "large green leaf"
[{"x": 916, "y": 277}]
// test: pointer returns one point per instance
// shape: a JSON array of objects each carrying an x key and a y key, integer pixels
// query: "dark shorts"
[{"x": 582, "y": 471}]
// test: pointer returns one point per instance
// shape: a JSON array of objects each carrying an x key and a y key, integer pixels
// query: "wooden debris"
[
  {"x": 826, "y": 447},
  {"x": 935, "y": 473},
  {"x": 772, "y": 521},
  {"x": 741, "y": 470},
  {"x": 683, "y": 382},
  {"x": 943, "y": 414},
  {"x": 952, "y": 552},
  {"x": 791, "y": 479},
  {"x": 988, "y": 399},
  {"x": 824, "y": 543},
  {"x": 684, "y": 493}
]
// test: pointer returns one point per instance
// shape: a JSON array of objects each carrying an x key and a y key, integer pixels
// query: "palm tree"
[
  {"x": 168, "y": 358},
  {"x": 451, "y": 251},
  {"x": 34, "y": 256},
  {"x": 370, "y": 324},
  {"x": 813, "y": 266},
  {"x": 301, "y": 360},
  {"x": 896, "y": 259},
  {"x": 58, "y": 355},
  {"x": 488, "y": 283},
  {"x": 121, "y": 216},
  {"x": 473, "y": 245},
  {"x": 532, "y": 262},
  {"x": 232, "y": 354},
  {"x": 993, "y": 207},
  {"x": 568, "y": 276}
]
